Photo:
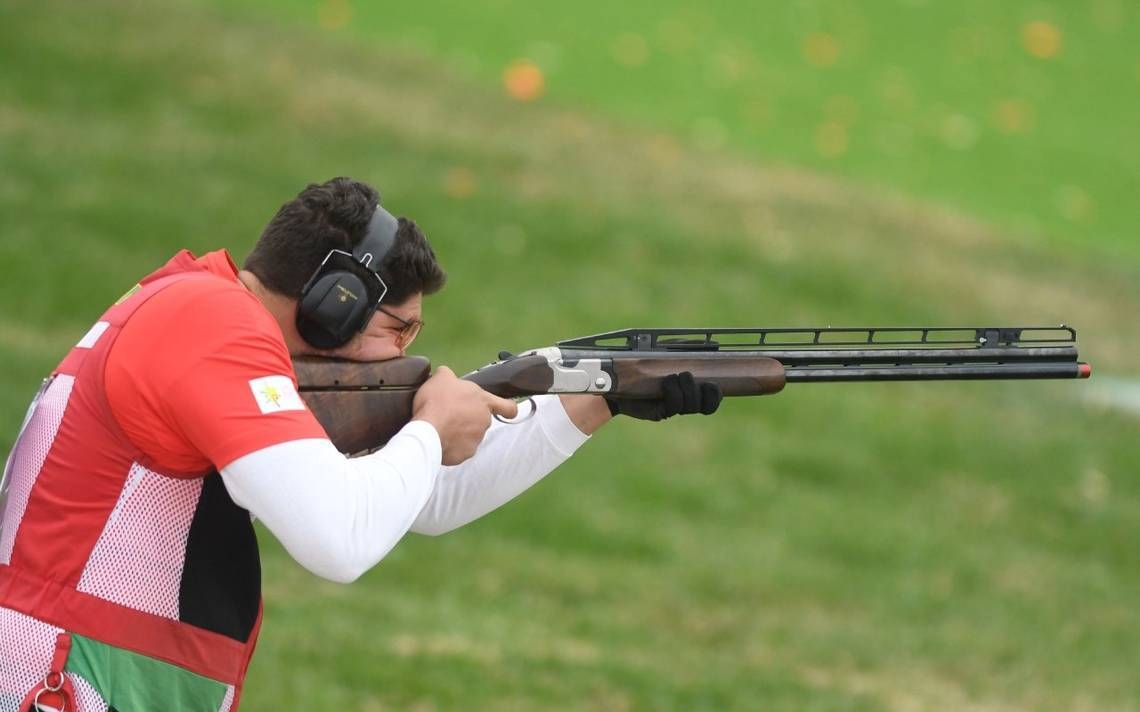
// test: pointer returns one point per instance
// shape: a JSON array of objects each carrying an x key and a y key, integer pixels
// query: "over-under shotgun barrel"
[
  {"x": 837, "y": 354},
  {"x": 361, "y": 405}
]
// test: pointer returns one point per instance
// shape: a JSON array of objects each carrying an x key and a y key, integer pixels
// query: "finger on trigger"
[{"x": 503, "y": 407}]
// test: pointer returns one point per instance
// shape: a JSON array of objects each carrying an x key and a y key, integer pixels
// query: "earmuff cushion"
[{"x": 332, "y": 307}]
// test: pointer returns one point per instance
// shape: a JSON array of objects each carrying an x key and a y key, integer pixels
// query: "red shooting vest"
[{"x": 96, "y": 541}]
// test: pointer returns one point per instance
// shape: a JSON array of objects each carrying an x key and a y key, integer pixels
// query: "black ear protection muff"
[{"x": 342, "y": 295}]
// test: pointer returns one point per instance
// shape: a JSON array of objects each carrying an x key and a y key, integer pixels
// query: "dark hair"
[{"x": 334, "y": 216}]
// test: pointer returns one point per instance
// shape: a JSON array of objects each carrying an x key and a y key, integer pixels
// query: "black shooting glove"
[{"x": 681, "y": 395}]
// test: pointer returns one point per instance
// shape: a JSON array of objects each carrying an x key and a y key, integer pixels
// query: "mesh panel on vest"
[
  {"x": 138, "y": 559},
  {"x": 28, "y": 457},
  {"x": 26, "y": 649}
]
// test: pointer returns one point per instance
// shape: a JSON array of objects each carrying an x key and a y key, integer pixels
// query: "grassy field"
[
  {"x": 893, "y": 547},
  {"x": 1023, "y": 112}
]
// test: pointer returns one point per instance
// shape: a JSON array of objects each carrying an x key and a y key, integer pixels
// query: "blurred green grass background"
[
  {"x": 1005, "y": 109},
  {"x": 589, "y": 166}
]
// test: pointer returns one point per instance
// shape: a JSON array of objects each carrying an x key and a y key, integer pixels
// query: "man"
[{"x": 129, "y": 573}]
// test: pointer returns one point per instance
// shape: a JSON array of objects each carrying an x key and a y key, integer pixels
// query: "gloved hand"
[{"x": 681, "y": 395}]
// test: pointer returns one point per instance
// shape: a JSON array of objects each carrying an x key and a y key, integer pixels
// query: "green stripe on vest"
[{"x": 130, "y": 682}]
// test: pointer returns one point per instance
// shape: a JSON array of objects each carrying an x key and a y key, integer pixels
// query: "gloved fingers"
[
  {"x": 673, "y": 397},
  {"x": 681, "y": 393},
  {"x": 690, "y": 393},
  {"x": 710, "y": 397},
  {"x": 614, "y": 405}
]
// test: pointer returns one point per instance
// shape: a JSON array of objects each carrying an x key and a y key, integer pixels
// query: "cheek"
[{"x": 367, "y": 347}]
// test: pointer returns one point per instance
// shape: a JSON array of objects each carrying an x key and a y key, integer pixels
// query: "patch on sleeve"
[{"x": 275, "y": 394}]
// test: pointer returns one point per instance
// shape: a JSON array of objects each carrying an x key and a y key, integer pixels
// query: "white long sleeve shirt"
[{"x": 339, "y": 516}]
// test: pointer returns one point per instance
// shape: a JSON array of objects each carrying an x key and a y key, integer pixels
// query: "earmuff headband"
[{"x": 378, "y": 239}]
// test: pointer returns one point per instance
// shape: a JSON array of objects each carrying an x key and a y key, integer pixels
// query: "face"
[{"x": 382, "y": 337}]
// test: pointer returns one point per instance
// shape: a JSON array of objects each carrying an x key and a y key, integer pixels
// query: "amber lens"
[{"x": 409, "y": 332}]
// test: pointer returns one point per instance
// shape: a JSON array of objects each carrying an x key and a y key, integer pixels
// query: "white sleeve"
[
  {"x": 511, "y": 458},
  {"x": 338, "y": 516}
]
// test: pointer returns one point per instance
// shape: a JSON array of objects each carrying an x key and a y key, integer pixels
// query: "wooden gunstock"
[
  {"x": 736, "y": 374},
  {"x": 520, "y": 376},
  {"x": 361, "y": 405}
]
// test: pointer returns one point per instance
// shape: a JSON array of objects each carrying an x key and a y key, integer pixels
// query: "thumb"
[{"x": 444, "y": 372}]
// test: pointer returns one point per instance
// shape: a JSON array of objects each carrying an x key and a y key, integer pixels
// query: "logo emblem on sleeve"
[{"x": 275, "y": 394}]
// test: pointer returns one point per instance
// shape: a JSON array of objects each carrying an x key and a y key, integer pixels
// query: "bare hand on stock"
[{"x": 460, "y": 411}]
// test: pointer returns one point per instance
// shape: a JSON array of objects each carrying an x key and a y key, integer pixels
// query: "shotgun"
[{"x": 362, "y": 404}]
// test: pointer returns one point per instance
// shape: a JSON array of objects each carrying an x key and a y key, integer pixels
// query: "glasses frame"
[{"x": 409, "y": 330}]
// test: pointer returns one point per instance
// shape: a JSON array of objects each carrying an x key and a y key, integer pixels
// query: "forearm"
[
  {"x": 511, "y": 458},
  {"x": 336, "y": 516},
  {"x": 588, "y": 413}
]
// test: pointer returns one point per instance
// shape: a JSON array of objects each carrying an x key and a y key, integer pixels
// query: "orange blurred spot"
[
  {"x": 630, "y": 50},
  {"x": 334, "y": 14},
  {"x": 1013, "y": 116},
  {"x": 459, "y": 182},
  {"x": 820, "y": 49},
  {"x": 1041, "y": 39},
  {"x": 831, "y": 139},
  {"x": 523, "y": 80}
]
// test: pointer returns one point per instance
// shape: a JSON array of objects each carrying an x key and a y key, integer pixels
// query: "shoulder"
[
  {"x": 203, "y": 313},
  {"x": 185, "y": 374},
  {"x": 201, "y": 319},
  {"x": 209, "y": 299}
]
